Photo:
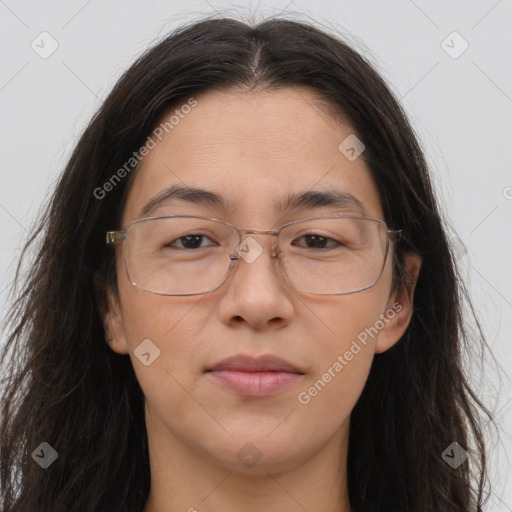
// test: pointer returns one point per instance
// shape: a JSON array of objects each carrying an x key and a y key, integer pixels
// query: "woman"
[{"x": 249, "y": 218}]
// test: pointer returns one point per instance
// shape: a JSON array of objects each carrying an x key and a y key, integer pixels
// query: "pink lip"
[{"x": 249, "y": 376}]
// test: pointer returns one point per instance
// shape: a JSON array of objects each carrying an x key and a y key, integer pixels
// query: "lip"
[
  {"x": 250, "y": 376},
  {"x": 243, "y": 363}
]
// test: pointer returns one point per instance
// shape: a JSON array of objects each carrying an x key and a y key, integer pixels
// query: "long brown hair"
[{"x": 66, "y": 387}]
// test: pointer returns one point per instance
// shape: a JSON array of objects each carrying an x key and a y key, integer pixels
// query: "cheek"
[
  {"x": 346, "y": 329},
  {"x": 329, "y": 398},
  {"x": 156, "y": 317},
  {"x": 339, "y": 321},
  {"x": 162, "y": 336}
]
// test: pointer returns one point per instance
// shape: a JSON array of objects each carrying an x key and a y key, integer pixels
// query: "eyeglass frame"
[{"x": 117, "y": 236}]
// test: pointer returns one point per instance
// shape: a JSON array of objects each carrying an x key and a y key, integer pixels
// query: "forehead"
[{"x": 254, "y": 149}]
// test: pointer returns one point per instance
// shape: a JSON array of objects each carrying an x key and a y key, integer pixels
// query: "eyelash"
[{"x": 328, "y": 239}]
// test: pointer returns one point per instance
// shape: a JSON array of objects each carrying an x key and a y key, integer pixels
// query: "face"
[{"x": 253, "y": 149}]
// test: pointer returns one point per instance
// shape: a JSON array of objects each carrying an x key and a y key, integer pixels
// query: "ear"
[
  {"x": 399, "y": 308},
  {"x": 113, "y": 324}
]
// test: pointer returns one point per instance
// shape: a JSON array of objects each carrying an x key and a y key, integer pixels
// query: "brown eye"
[
  {"x": 192, "y": 241},
  {"x": 317, "y": 242}
]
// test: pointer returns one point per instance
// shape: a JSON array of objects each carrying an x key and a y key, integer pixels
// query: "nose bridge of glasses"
[{"x": 246, "y": 233}]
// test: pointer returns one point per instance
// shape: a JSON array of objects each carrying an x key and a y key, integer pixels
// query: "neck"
[{"x": 184, "y": 481}]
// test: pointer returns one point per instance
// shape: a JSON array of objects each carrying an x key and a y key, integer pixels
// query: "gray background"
[{"x": 461, "y": 108}]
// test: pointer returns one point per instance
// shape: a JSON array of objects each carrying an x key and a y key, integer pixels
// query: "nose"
[{"x": 256, "y": 292}]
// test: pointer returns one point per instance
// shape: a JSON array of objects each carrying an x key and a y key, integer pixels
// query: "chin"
[{"x": 258, "y": 455}]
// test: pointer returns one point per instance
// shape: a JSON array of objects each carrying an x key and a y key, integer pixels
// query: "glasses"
[{"x": 191, "y": 255}]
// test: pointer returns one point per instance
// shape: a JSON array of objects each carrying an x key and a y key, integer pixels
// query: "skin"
[{"x": 252, "y": 147}]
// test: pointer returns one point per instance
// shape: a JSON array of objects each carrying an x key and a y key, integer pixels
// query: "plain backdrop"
[{"x": 448, "y": 61}]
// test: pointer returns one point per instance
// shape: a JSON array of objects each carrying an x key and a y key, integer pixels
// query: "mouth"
[{"x": 257, "y": 377}]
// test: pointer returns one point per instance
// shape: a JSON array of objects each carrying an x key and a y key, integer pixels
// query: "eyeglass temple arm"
[
  {"x": 113, "y": 237},
  {"x": 395, "y": 235}
]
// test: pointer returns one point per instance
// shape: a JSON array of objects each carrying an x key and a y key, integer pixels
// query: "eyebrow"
[{"x": 338, "y": 199}]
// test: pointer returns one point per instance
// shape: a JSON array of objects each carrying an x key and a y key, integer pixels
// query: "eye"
[
  {"x": 190, "y": 241},
  {"x": 314, "y": 241}
]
